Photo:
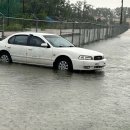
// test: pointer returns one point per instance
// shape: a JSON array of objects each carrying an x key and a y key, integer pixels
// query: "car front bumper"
[{"x": 89, "y": 64}]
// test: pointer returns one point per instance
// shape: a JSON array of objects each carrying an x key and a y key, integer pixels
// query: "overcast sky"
[{"x": 106, "y": 3}]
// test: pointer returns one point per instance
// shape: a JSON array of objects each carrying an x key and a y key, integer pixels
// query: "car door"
[
  {"x": 36, "y": 54},
  {"x": 17, "y": 46}
]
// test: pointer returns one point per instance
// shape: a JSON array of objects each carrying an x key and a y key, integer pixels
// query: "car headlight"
[{"x": 85, "y": 57}]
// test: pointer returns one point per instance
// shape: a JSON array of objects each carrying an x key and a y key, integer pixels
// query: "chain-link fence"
[
  {"x": 79, "y": 33},
  {"x": 83, "y": 33}
]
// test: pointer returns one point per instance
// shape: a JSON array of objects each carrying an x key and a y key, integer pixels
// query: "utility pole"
[{"x": 121, "y": 17}]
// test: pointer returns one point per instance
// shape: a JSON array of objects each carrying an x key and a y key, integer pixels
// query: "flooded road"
[{"x": 37, "y": 98}]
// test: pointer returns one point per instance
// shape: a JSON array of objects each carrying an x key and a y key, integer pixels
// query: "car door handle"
[
  {"x": 30, "y": 49},
  {"x": 9, "y": 47}
]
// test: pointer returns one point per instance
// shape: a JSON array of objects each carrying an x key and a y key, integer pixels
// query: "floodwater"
[{"x": 38, "y": 98}]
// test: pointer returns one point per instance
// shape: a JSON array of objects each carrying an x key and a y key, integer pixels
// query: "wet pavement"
[{"x": 38, "y": 98}]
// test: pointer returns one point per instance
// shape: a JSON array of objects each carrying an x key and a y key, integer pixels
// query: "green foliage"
[
  {"x": 62, "y": 10},
  {"x": 14, "y": 27},
  {"x": 10, "y": 8}
]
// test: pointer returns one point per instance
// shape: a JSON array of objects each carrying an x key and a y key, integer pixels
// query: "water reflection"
[
  {"x": 35, "y": 77},
  {"x": 38, "y": 71}
]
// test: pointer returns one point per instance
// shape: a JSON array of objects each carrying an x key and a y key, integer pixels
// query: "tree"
[{"x": 105, "y": 14}]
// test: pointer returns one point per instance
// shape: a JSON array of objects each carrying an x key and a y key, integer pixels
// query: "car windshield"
[{"x": 58, "y": 41}]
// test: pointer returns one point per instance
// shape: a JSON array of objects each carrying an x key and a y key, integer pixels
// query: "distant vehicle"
[{"x": 49, "y": 50}]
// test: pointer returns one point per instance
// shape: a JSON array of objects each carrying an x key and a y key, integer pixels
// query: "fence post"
[
  {"x": 3, "y": 23},
  {"x": 84, "y": 33},
  {"x": 79, "y": 25},
  {"x": 98, "y": 32},
  {"x": 93, "y": 32},
  {"x": 106, "y": 33},
  {"x": 60, "y": 28},
  {"x": 22, "y": 24},
  {"x": 36, "y": 24},
  {"x": 88, "y": 32},
  {"x": 103, "y": 35},
  {"x": 73, "y": 32}
]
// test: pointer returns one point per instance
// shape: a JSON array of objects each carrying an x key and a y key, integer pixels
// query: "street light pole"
[{"x": 121, "y": 17}]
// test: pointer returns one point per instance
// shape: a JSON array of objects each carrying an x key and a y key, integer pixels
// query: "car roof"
[{"x": 33, "y": 33}]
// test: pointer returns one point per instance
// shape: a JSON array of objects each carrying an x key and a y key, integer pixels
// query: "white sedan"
[{"x": 49, "y": 50}]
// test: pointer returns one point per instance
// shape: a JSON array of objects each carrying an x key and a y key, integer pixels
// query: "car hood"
[{"x": 81, "y": 51}]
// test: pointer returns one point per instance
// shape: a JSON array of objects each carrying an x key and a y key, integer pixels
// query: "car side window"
[
  {"x": 11, "y": 40},
  {"x": 35, "y": 41},
  {"x": 18, "y": 40}
]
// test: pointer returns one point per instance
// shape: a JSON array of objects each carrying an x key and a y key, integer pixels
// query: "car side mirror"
[{"x": 45, "y": 45}]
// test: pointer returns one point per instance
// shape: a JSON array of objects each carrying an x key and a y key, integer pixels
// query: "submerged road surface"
[{"x": 38, "y": 98}]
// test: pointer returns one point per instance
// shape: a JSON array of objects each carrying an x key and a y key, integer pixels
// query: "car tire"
[
  {"x": 64, "y": 64},
  {"x": 5, "y": 58}
]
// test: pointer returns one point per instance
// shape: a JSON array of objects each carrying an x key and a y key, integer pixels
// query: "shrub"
[{"x": 13, "y": 27}]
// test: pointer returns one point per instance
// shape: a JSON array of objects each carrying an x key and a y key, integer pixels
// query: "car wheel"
[
  {"x": 5, "y": 58},
  {"x": 64, "y": 64}
]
